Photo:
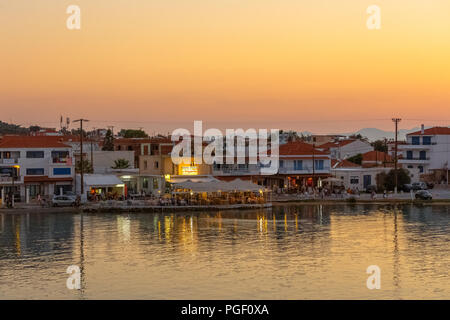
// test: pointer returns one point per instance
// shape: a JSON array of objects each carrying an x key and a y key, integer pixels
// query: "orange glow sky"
[{"x": 269, "y": 63}]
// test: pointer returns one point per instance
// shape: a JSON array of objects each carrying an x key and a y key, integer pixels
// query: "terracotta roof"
[
  {"x": 139, "y": 141},
  {"x": 432, "y": 131},
  {"x": 32, "y": 142},
  {"x": 336, "y": 144},
  {"x": 297, "y": 148},
  {"x": 378, "y": 156},
  {"x": 343, "y": 164}
]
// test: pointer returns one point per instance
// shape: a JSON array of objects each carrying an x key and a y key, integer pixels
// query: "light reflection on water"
[{"x": 290, "y": 252}]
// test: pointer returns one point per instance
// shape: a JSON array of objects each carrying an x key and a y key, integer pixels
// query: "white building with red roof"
[
  {"x": 427, "y": 150},
  {"x": 345, "y": 148},
  {"x": 41, "y": 165},
  {"x": 303, "y": 165}
]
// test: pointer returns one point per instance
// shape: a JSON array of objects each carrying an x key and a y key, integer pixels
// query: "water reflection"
[{"x": 307, "y": 251}]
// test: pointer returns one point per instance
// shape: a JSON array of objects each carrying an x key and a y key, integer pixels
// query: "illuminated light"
[
  {"x": 167, "y": 177},
  {"x": 192, "y": 193},
  {"x": 120, "y": 185},
  {"x": 16, "y": 166},
  {"x": 126, "y": 177},
  {"x": 189, "y": 170}
]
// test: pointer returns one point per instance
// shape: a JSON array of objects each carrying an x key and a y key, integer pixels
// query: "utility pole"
[
  {"x": 396, "y": 121},
  {"x": 92, "y": 150},
  {"x": 314, "y": 161},
  {"x": 81, "y": 154}
]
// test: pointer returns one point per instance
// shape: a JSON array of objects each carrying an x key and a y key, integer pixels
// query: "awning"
[
  {"x": 182, "y": 179},
  {"x": 44, "y": 179},
  {"x": 101, "y": 180}
]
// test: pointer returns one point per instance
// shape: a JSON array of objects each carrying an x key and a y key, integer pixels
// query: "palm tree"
[{"x": 121, "y": 164}]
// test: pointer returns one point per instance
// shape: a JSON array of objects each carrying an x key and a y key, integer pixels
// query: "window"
[
  {"x": 155, "y": 183},
  {"x": 35, "y": 154},
  {"x": 409, "y": 155},
  {"x": 298, "y": 165},
  {"x": 354, "y": 180},
  {"x": 60, "y": 156},
  {"x": 415, "y": 140},
  {"x": 35, "y": 171},
  {"x": 156, "y": 164},
  {"x": 61, "y": 171},
  {"x": 426, "y": 140},
  {"x": 318, "y": 164},
  {"x": 145, "y": 164},
  {"x": 130, "y": 148},
  {"x": 410, "y": 167},
  {"x": 145, "y": 183},
  {"x": 281, "y": 163},
  {"x": 420, "y": 169},
  {"x": 423, "y": 155}
]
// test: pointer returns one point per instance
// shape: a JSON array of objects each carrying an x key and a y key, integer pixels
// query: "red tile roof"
[
  {"x": 432, "y": 131},
  {"x": 343, "y": 164},
  {"x": 378, "y": 156},
  {"x": 298, "y": 148},
  {"x": 32, "y": 142},
  {"x": 336, "y": 144}
]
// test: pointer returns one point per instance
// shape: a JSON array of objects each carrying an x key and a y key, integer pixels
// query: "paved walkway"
[{"x": 438, "y": 193}]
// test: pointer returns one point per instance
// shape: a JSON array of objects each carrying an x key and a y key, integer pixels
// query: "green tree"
[
  {"x": 388, "y": 180},
  {"x": 108, "y": 143},
  {"x": 131, "y": 133},
  {"x": 87, "y": 166},
  {"x": 121, "y": 164},
  {"x": 357, "y": 159},
  {"x": 379, "y": 145}
]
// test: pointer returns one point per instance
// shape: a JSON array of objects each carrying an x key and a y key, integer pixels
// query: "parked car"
[
  {"x": 430, "y": 185},
  {"x": 424, "y": 195},
  {"x": 64, "y": 201},
  {"x": 419, "y": 186},
  {"x": 407, "y": 187}
]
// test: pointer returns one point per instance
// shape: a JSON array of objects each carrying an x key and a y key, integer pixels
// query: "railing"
[
  {"x": 415, "y": 158},
  {"x": 9, "y": 160},
  {"x": 59, "y": 160},
  {"x": 304, "y": 170}
]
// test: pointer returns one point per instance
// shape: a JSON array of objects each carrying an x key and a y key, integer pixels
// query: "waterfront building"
[
  {"x": 44, "y": 165},
  {"x": 358, "y": 177},
  {"x": 345, "y": 148},
  {"x": 428, "y": 151},
  {"x": 302, "y": 166},
  {"x": 143, "y": 146}
]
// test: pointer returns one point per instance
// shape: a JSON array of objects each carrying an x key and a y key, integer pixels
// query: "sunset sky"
[{"x": 161, "y": 64}]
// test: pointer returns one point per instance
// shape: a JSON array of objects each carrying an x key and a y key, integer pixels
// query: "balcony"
[
  {"x": 305, "y": 170},
  {"x": 65, "y": 161},
  {"x": 402, "y": 147},
  {"x": 9, "y": 161},
  {"x": 414, "y": 160}
]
